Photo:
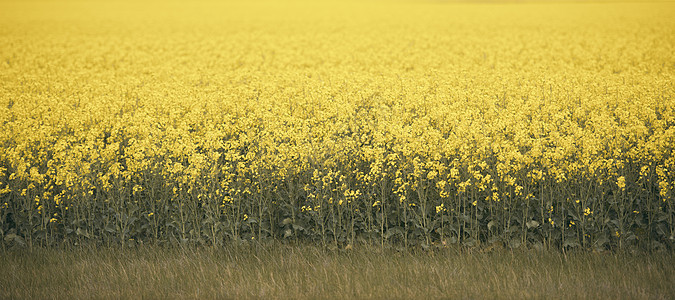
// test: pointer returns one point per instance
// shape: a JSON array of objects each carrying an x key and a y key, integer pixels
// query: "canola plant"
[{"x": 400, "y": 123}]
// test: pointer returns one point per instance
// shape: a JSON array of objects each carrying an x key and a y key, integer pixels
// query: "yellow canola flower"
[
  {"x": 408, "y": 110},
  {"x": 621, "y": 183}
]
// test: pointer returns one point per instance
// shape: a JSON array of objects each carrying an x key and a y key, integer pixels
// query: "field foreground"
[{"x": 307, "y": 272}]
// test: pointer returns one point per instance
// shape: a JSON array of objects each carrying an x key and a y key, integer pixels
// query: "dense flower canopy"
[{"x": 410, "y": 122}]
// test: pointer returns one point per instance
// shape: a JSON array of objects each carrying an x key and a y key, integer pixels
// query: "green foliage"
[{"x": 344, "y": 203}]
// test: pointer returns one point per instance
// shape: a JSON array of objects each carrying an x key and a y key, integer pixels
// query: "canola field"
[{"x": 397, "y": 123}]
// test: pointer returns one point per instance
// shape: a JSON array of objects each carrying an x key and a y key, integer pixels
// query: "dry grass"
[{"x": 284, "y": 271}]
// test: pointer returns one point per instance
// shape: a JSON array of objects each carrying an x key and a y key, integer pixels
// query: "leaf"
[
  {"x": 110, "y": 228},
  {"x": 9, "y": 237},
  {"x": 532, "y": 224},
  {"x": 81, "y": 232},
  {"x": 513, "y": 229},
  {"x": 470, "y": 242},
  {"x": 615, "y": 223},
  {"x": 538, "y": 246},
  {"x": 452, "y": 240},
  {"x": 630, "y": 236},
  {"x": 657, "y": 245},
  {"x": 515, "y": 243},
  {"x": 571, "y": 243},
  {"x": 601, "y": 241},
  {"x": 16, "y": 239},
  {"x": 491, "y": 224},
  {"x": 393, "y": 231}
]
